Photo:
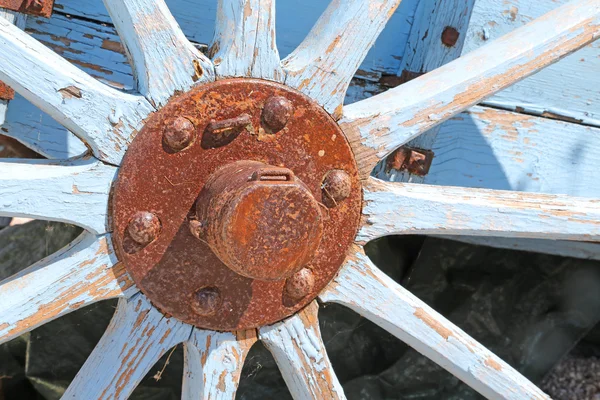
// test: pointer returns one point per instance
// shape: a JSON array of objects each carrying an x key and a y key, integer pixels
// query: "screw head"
[
  {"x": 178, "y": 134},
  {"x": 276, "y": 113},
  {"x": 144, "y": 227},
  {"x": 300, "y": 284},
  {"x": 336, "y": 187},
  {"x": 206, "y": 301},
  {"x": 450, "y": 36}
]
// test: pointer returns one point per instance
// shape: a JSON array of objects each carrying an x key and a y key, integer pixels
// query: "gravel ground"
[{"x": 574, "y": 378}]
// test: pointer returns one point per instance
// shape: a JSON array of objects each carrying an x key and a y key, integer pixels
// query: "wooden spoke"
[
  {"x": 325, "y": 62},
  {"x": 405, "y": 208},
  {"x": 213, "y": 363},
  {"x": 81, "y": 274},
  {"x": 69, "y": 191},
  {"x": 244, "y": 43},
  {"x": 163, "y": 60},
  {"x": 18, "y": 20},
  {"x": 378, "y": 125},
  {"x": 136, "y": 338},
  {"x": 103, "y": 117},
  {"x": 368, "y": 291},
  {"x": 299, "y": 351}
]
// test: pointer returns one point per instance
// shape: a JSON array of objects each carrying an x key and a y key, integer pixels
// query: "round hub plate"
[{"x": 166, "y": 182}]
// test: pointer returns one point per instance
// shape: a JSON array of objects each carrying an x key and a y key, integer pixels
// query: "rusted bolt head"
[
  {"x": 206, "y": 301},
  {"x": 336, "y": 187},
  {"x": 144, "y": 227},
  {"x": 179, "y": 133},
  {"x": 300, "y": 284},
  {"x": 276, "y": 113},
  {"x": 450, "y": 36}
]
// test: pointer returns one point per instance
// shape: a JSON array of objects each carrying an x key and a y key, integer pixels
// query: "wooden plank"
[
  {"x": 295, "y": 18},
  {"x": 426, "y": 51},
  {"x": 7, "y": 93},
  {"x": 325, "y": 62},
  {"x": 378, "y": 125},
  {"x": 406, "y": 208},
  {"x": 68, "y": 191},
  {"x": 368, "y": 291},
  {"x": 213, "y": 363},
  {"x": 244, "y": 44},
  {"x": 495, "y": 149},
  {"x": 105, "y": 118},
  {"x": 298, "y": 349},
  {"x": 567, "y": 89},
  {"x": 164, "y": 61},
  {"x": 138, "y": 335},
  {"x": 80, "y": 274}
]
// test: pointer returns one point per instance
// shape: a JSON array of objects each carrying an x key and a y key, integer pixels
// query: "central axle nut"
[{"x": 261, "y": 221}]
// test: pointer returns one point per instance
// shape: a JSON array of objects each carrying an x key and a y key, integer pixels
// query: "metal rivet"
[
  {"x": 300, "y": 284},
  {"x": 450, "y": 36},
  {"x": 276, "y": 113},
  {"x": 144, "y": 227},
  {"x": 206, "y": 301},
  {"x": 336, "y": 187},
  {"x": 179, "y": 134}
]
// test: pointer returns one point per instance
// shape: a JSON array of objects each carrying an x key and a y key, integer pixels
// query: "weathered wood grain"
[
  {"x": 213, "y": 363},
  {"x": 163, "y": 60},
  {"x": 244, "y": 43},
  {"x": 404, "y": 208},
  {"x": 73, "y": 191},
  {"x": 138, "y": 335},
  {"x": 379, "y": 124},
  {"x": 80, "y": 274},
  {"x": 567, "y": 89},
  {"x": 18, "y": 20},
  {"x": 495, "y": 149},
  {"x": 426, "y": 51},
  {"x": 103, "y": 117},
  {"x": 295, "y": 19},
  {"x": 325, "y": 62},
  {"x": 368, "y": 291},
  {"x": 298, "y": 349}
]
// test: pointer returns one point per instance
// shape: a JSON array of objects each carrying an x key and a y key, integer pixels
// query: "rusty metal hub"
[{"x": 235, "y": 204}]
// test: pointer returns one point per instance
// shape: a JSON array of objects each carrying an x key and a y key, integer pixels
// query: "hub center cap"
[{"x": 235, "y": 204}]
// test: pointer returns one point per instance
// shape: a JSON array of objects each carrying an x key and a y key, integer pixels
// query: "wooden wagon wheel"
[{"x": 230, "y": 193}]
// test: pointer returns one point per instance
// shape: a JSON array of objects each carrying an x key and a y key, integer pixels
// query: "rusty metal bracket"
[
  {"x": 414, "y": 161},
  {"x": 6, "y": 92},
  {"x": 41, "y": 8}
]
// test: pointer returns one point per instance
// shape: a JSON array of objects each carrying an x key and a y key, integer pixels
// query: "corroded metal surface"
[
  {"x": 415, "y": 161},
  {"x": 42, "y": 8},
  {"x": 6, "y": 92},
  {"x": 180, "y": 273}
]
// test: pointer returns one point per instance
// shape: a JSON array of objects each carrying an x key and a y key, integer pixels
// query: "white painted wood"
[
  {"x": 378, "y": 125},
  {"x": 496, "y": 149},
  {"x": 244, "y": 44},
  {"x": 84, "y": 272},
  {"x": 566, "y": 89},
  {"x": 162, "y": 58},
  {"x": 138, "y": 335},
  {"x": 18, "y": 20},
  {"x": 393, "y": 208},
  {"x": 213, "y": 363},
  {"x": 563, "y": 248},
  {"x": 426, "y": 52},
  {"x": 73, "y": 191},
  {"x": 103, "y": 117},
  {"x": 368, "y": 291},
  {"x": 325, "y": 62},
  {"x": 298, "y": 349}
]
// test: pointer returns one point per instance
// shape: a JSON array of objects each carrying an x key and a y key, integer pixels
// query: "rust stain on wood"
[
  {"x": 490, "y": 362},
  {"x": 432, "y": 323}
]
